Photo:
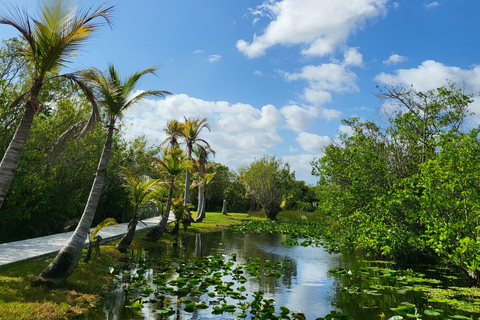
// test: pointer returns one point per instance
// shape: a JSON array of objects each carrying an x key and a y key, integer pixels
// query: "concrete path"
[{"x": 43, "y": 247}]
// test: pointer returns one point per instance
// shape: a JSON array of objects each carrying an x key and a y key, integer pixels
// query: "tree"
[
  {"x": 174, "y": 162},
  {"x": 116, "y": 96},
  {"x": 266, "y": 181},
  {"x": 174, "y": 130},
  {"x": 57, "y": 33},
  {"x": 140, "y": 191},
  {"x": 204, "y": 179},
  {"x": 179, "y": 209},
  {"x": 191, "y": 134}
]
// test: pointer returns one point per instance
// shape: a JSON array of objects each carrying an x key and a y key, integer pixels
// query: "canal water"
[{"x": 303, "y": 280}]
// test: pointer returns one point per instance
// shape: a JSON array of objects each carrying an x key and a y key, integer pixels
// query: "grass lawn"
[{"x": 18, "y": 300}]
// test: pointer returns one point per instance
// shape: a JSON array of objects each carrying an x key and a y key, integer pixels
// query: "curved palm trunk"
[
  {"x": 67, "y": 259},
  {"x": 127, "y": 239},
  {"x": 156, "y": 232},
  {"x": 12, "y": 155},
  {"x": 201, "y": 205}
]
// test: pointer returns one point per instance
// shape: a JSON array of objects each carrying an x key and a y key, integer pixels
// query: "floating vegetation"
[
  {"x": 212, "y": 282},
  {"x": 435, "y": 301},
  {"x": 300, "y": 233}
]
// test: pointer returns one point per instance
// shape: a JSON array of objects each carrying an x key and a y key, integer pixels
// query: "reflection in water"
[{"x": 305, "y": 286}]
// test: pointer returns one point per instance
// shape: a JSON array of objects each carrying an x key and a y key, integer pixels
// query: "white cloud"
[
  {"x": 298, "y": 118},
  {"x": 198, "y": 51},
  {"x": 432, "y": 4},
  {"x": 258, "y": 73},
  {"x": 343, "y": 129},
  {"x": 353, "y": 58},
  {"x": 239, "y": 132},
  {"x": 394, "y": 59},
  {"x": 320, "y": 26},
  {"x": 312, "y": 142},
  {"x": 214, "y": 58},
  {"x": 323, "y": 79},
  {"x": 432, "y": 74}
]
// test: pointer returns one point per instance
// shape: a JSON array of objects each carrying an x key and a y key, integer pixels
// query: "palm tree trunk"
[
  {"x": 127, "y": 239},
  {"x": 188, "y": 182},
  {"x": 11, "y": 158},
  {"x": 67, "y": 259},
  {"x": 156, "y": 232},
  {"x": 201, "y": 204}
]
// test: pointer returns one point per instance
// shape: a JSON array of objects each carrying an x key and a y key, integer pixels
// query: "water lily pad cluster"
[
  {"x": 381, "y": 287},
  {"x": 216, "y": 282}
]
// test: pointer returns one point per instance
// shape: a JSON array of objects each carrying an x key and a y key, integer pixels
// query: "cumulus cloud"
[
  {"x": 394, "y": 59},
  {"x": 326, "y": 78},
  {"x": 432, "y": 74},
  {"x": 214, "y": 58},
  {"x": 313, "y": 143},
  {"x": 239, "y": 132},
  {"x": 319, "y": 26},
  {"x": 353, "y": 58},
  {"x": 298, "y": 118}
]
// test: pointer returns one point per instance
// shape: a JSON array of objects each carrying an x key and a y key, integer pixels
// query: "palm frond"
[{"x": 104, "y": 223}]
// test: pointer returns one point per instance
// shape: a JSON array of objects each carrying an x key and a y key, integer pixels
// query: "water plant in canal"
[
  {"x": 212, "y": 282},
  {"x": 378, "y": 286}
]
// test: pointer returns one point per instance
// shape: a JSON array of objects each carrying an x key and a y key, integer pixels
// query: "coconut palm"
[
  {"x": 140, "y": 191},
  {"x": 202, "y": 166},
  {"x": 173, "y": 163},
  {"x": 59, "y": 30},
  {"x": 203, "y": 185},
  {"x": 179, "y": 209},
  {"x": 193, "y": 128},
  {"x": 94, "y": 241},
  {"x": 116, "y": 96},
  {"x": 174, "y": 129}
]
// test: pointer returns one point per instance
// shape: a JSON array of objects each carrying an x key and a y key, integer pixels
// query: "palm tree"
[
  {"x": 173, "y": 163},
  {"x": 179, "y": 208},
  {"x": 116, "y": 96},
  {"x": 140, "y": 192},
  {"x": 174, "y": 129},
  {"x": 202, "y": 166},
  {"x": 193, "y": 128},
  {"x": 56, "y": 34},
  {"x": 203, "y": 186}
]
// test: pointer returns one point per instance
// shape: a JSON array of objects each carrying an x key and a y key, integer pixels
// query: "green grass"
[{"x": 18, "y": 300}]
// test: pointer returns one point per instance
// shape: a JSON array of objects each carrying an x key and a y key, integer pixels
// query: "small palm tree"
[
  {"x": 193, "y": 128},
  {"x": 140, "y": 192},
  {"x": 179, "y": 209},
  {"x": 174, "y": 129},
  {"x": 94, "y": 242},
  {"x": 116, "y": 96},
  {"x": 58, "y": 32},
  {"x": 173, "y": 163}
]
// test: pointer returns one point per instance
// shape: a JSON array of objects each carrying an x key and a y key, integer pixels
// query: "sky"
[{"x": 276, "y": 77}]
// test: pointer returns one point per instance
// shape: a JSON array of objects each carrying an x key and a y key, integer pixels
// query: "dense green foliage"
[
  {"x": 267, "y": 181},
  {"x": 408, "y": 190}
]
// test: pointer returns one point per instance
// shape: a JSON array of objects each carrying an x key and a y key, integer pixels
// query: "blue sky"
[{"x": 277, "y": 76}]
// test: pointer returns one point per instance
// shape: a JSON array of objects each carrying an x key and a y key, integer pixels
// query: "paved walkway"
[{"x": 43, "y": 247}]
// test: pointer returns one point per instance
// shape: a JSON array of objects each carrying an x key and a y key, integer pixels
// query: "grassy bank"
[{"x": 18, "y": 300}]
